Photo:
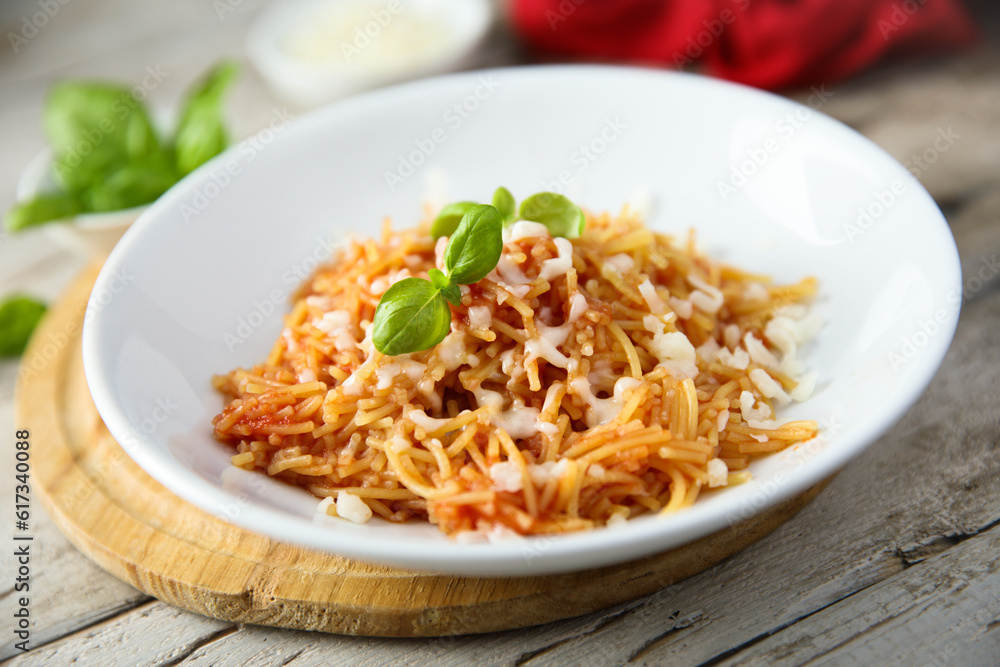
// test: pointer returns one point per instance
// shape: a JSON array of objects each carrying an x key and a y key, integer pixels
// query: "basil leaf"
[
  {"x": 131, "y": 185},
  {"x": 42, "y": 208},
  {"x": 447, "y": 220},
  {"x": 449, "y": 289},
  {"x": 503, "y": 201},
  {"x": 561, "y": 216},
  {"x": 93, "y": 128},
  {"x": 411, "y": 316},
  {"x": 19, "y": 315},
  {"x": 201, "y": 133},
  {"x": 474, "y": 249},
  {"x": 453, "y": 293}
]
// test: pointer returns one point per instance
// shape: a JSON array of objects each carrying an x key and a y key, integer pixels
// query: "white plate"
[{"x": 198, "y": 285}]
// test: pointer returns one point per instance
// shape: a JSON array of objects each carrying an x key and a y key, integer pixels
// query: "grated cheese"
[{"x": 352, "y": 508}]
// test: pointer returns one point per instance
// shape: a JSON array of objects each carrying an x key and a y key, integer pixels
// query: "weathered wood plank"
[
  {"x": 945, "y": 610},
  {"x": 153, "y": 634}
]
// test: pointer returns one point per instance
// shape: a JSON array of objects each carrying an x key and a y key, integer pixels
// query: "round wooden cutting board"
[{"x": 140, "y": 532}]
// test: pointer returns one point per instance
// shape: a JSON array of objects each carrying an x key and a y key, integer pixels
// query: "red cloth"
[{"x": 765, "y": 43}]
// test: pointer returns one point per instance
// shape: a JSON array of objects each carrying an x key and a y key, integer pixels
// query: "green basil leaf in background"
[
  {"x": 503, "y": 201},
  {"x": 92, "y": 128},
  {"x": 447, "y": 220},
  {"x": 561, "y": 216},
  {"x": 131, "y": 185},
  {"x": 19, "y": 315},
  {"x": 474, "y": 249},
  {"x": 411, "y": 316},
  {"x": 450, "y": 290},
  {"x": 201, "y": 133},
  {"x": 42, "y": 208}
]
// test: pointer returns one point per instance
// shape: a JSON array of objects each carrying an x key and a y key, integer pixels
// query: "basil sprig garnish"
[
  {"x": 414, "y": 314},
  {"x": 447, "y": 221},
  {"x": 503, "y": 201},
  {"x": 560, "y": 215}
]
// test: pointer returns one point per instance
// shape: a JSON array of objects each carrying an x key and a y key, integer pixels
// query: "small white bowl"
[
  {"x": 89, "y": 234},
  {"x": 315, "y": 51},
  {"x": 770, "y": 185}
]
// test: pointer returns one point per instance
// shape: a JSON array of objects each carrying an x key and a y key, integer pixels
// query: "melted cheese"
[
  {"x": 402, "y": 365},
  {"x": 675, "y": 353},
  {"x": 524, "y": 229},
  {"x": 480, "y": 317},
  {"x": 653, "y": 300},
  {"x": 769, "y": 386},
  {"x": 682, "y": 307},
  {"x": 718, "y": 473},
  {"x": 519, "y": 420},
  {"x": 506, "y": 476},
  {"x": 747, "y": 410},
  {"x": 546, "y": 345},
  {"x": 602, "y": 410},
  {"x": 722, "y": 420},
  {"x": 759, "y": 353},
  {"x": 706, "y": 298},
  {"x": 738, "y": 360},
  {"x": 542, "y": 473},
  {"x": 428, "y": 424},
  {"x": 577, "y": 307},
  {"x": 560, "y": 264},
  {"x": 352, "y": 508},
  {"x": 622, "y": 262}
]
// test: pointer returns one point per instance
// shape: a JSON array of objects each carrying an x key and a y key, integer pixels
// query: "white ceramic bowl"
[
  {"x": 198, "y": 285},
  {"x": 413, "y": 37},
  {"x": 88, "y": 234}
]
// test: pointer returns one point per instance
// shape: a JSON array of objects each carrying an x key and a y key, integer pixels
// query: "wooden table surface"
[{"x": 896, "y": 562}]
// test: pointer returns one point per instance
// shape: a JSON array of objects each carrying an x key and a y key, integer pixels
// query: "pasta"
[{"x": 583, "y": 382}]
